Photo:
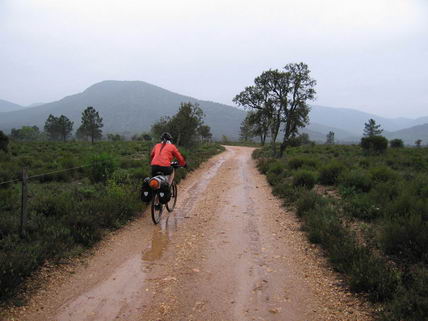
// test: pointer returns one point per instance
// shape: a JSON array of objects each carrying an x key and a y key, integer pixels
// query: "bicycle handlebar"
[{"x": 175, "y": 165}]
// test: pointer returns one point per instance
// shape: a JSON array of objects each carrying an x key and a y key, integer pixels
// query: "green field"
[
  {"x": 70, "y": 211},
  {"x": 369, "y": 213}
]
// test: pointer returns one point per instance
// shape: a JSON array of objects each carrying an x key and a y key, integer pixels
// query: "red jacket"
[{"x": 164, "y": 154}]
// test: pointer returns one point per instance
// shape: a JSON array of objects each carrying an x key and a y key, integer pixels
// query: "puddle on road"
[
  {"x": 169, "y": 223},
  {"x": 159, "y": 244}
]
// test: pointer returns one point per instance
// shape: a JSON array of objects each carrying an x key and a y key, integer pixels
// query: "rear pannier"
[{"x": 146, "y": 191}]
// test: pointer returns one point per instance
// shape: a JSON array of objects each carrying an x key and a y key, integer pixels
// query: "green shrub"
[
  {"x": 139, "y": 173},
  {"x": 121, "y": 177},
  {"x": 372, "y": 274},
  {"x": 307, "y": 201},
  {"x": 382, "y": 174},
  {"x": 286, "y": 191},
  {"x": 304, "y": 178},
  {"x": 276, "y": 167},
  {"x": 329, "y": 173},
  {"x": 356, "y": 179},
  {"x": 384, "y": 193},
  {"x": 374, "y": 144},
  {"x": 53, "y": 203},
  {"x": 298, "y": 162},
  {"x": 273, "y": 178},
  {"x": 411, "y": 300},
  {"x": 102, "y": 167},
  {"x": 130, "y": 163},
  {"x": 396, "y": 143},
  {"x": 362, "y": 207},
  {"x": 4, "y": 142},
  {"x": 406, "y": 237},
  {"x": 262, "y": 164}
]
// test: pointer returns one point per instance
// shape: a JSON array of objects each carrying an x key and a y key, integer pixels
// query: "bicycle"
[{"x": 156, "y": 206}]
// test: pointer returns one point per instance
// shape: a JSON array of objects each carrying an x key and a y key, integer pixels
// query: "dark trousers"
[{"x": 165, "y": 170}]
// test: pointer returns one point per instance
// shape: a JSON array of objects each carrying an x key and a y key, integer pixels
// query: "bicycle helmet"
[{"x": 166, "y": 136}]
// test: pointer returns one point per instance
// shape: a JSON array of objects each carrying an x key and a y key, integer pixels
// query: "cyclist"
[{"x": 162, "y": 155}]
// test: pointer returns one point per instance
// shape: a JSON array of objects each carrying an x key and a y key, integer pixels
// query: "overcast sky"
[{"x": 370, "y": 55}]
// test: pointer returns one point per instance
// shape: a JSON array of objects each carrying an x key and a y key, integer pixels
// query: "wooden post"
[{"x": 24, "y": 199}]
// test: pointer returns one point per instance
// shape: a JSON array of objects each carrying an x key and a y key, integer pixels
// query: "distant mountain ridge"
[
  {"x": 6, "y": 106},
  {"x": 129, "y": 107},
  {"x": 353, "y": 120},
  {"x": 410, "y": 135}
]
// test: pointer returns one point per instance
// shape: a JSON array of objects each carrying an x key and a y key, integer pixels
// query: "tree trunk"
[
  {"x": 178, "y": 139},
  {"x": 282, "y": 149},
  {"x": 284, "y": 143}
]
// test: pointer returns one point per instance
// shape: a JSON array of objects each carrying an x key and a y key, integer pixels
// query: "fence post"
[{"x": 24, "y": 198}]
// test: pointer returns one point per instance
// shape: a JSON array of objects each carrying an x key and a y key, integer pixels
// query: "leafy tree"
[
  {"x": 186, "y": 122},
  {"x": 161, "y": 126},
  {"x": 259, "y": 122},
  {"x": 418, "y": 143},
  {"x": 255, "y": 124},
  {"x": 91, "y": 124},
  {"x": 144, "y": 136},
  {"x": 58, "y": 127},
  {"x": 261, "y": 97},
  {"x": 81, "y": 134},
  {"x": 330, "y": 138},
  {"x": 115, "y": 137},
  {"x": 4, "y": 142},
  {"x": 300, "y": 140},
  {"x": 65, "y": 127},
  {"x": 205, "y": 133},
  {"x": 396, "y": 143},
  {"x": 246, "y": 130},
  {"x": 282, "y": 96},
  {"x": 374, "y": 144},
  {"x": 371, "y": 129},
  {"x": 184, "y": 126},
  {"x": 26, "y": 133},
  {"x": 51, "y": 127}
]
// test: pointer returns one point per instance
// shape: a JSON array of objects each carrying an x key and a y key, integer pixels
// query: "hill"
[
  {"x": 318, "y": 133},
  {"x": 352, "y": 120},
  {"x": 127, "y": 107},
  {"x": 410, "y": 135},
  {"x": 6, "y": 106}
]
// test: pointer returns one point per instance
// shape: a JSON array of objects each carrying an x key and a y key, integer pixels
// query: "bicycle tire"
[
  {"x": 157, "y": 209},
  {"x": 171, "y": 204}
]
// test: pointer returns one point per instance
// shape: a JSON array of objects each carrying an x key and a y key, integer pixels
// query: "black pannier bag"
[
  {"x": 164, "y": 190},
  {"x": 146, "y": 191}
]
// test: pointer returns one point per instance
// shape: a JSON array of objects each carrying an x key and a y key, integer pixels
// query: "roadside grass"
[
  {"x": 70, "y": 212},
  {"x": 376, "y": 232}
]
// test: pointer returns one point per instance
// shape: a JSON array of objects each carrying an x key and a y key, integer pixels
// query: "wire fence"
[
  {"x": 25, "y": 178},
  {"x": 24, "y": 191}
]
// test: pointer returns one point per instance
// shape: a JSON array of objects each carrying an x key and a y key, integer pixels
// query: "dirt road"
[{"x": 228, "y": 252}]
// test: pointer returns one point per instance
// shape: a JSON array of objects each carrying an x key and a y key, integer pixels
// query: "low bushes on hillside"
[
  {"x": 329, "y": 174},
  {"x": 304, "y": 178}
]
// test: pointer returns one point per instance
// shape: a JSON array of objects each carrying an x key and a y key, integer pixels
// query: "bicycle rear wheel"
[
  {"x": 157, "y": 209},
  {"x": 171, "y": 204}
]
